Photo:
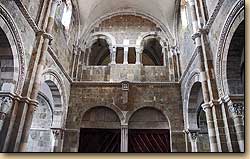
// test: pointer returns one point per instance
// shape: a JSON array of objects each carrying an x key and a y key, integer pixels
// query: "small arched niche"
[
  {"x": 197, "y": 118},
  {"x": 100, "y": 53},
  {"x": 194, "y": 102},
  {"x": 152, "y": 52},
  {"x": 149, "y": 131},
  {"x": 100, "y": 131}
]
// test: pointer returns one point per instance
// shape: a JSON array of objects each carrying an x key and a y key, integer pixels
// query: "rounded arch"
[
  {"x": 234, "y": 19},
  {"x": 99, "y": 51},
  {"x": 58, "y": 96},
  {"x": 153, "y": 35},
  {"x": 101, "y": 35},
  {"x": 148, "y": 120},
  {"x": 114, "y": 108},
  {"x": 157, "y": 108},
  {"x": 100, "y": 117},
  {"x": 194, "y": 103},
  {"x": 193, "y": 78},
  {"x": 164, "y": 28},
  {"x": 9, "y": 27}
]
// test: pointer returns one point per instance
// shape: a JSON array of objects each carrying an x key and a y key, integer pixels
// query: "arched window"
[{"x": 67, "y": 13}]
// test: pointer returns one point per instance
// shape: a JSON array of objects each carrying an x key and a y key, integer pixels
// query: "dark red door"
[
  {"x": 149, "y": 141},
  {"x": 100, "y": 140}
]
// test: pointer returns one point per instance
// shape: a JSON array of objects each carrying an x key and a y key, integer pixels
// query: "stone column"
[
  {"x": 173, "y": 50},
  {"x": 125, "y": 59},
  {"x": 178, "y": 62},
  {"x": 170, "y": 65},
  {"x": 210, "y": 126},
  {"x": 58, "y": 136},
  {"x": 78, "y": 54},
  {"x": 138, "y": 55},
  {"x": 209, "y": 88},
  {"x": 5, "y": 107},
  {"x": 73, "y": 61},
  {"x": 164, "y": 56},
  {"x": 112, "y": 55},
  {"x": 124, "y": 138},
  {"x": 37, "y": 81},
  {"x": 237, "y": 113},
  {"x": 12, "y": 122},
  {"x": 193, "y": 136}
]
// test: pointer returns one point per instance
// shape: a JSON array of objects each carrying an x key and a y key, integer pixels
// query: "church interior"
[{"x": 132, "y": 76}]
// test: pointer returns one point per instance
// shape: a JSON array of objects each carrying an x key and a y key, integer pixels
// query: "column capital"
[
  {"x": 58, "y": 2},
  {"x": 196, "y": 35},
  {"x": 193, "y": 134},
  {"x": 214, "y": 103},
  {"x": 205, "y": 106},
  {"x": 57, "y": 132},
  {"x": 237, "y": 109}
]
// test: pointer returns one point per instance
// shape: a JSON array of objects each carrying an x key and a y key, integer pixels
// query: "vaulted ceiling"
[{"x": 162, "y": 11}]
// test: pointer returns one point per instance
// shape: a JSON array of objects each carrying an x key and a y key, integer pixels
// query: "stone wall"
[
  {"x": 121, "y": 72},
  {"x": 164, "y": 97}
]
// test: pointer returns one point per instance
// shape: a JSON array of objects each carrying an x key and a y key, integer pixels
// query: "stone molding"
[
  {"x": 18, "y": 44},
  {"x": 239, "y": 6}
]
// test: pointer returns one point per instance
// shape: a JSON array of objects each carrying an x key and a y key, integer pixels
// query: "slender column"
[
  {"x": 171, "y": 67},
  {"x": 58, "y": 136},
  {"x": 80, "y": 65},
  {"x": 6, "y": 142},
  {"x": 5, "y": 107},
  {"x": 73, "y": 60},
  {"x": 124, "y": 138},
  {"x": 213, "y": 132},
  {"x": 210, "y": 126},
  {"x": 125, "y": 59},
  {"x": 112, "y": 55},
  {"x": 138, "y": 56},
  {"x": 186, "y": 139},
  {"x": 237, "y": 113},
  {"x": 36, "y": 87},
  {"x": 77, "y": 53},
  {"x": 193, "y": 136},
  {"x": 178, "y": 62},
  {"x": 173, "y": 50},
  {"x": 164, "y": 56}
]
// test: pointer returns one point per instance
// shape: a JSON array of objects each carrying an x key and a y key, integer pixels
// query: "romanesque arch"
[
  {"x": 151, "y": 134},
  {"x": 233, "y": 21},
  {"x": 100, "y": 131},
  {"x": 10, "y": 31},
  {"x": 49, "y": 116}
]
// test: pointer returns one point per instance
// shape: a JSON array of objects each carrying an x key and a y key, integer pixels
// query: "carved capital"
[
  {"x": 196, "y": 35},
  {"x": 5, "y": 104},
  {"x": 57, "y": 132},
  {"x": 2, "y": 115},
  {"x": 236, "y": 109},
  {"x": 48, "y": 36},
  {"x": 58, "y": 2},
  {"x": 193, "y": 135}
]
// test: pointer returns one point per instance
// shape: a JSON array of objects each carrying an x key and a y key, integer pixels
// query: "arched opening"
[
  {"x": 152, "y": 53},
  {"x": 100, "y": 131},
  {"x": 100, "y": 53},
  {"x": 149, "y": 131},
  {"x": 48, "y": 115},
  {"x": 197, "y": 119},
  {"x": 236, "y": 62},
  {"x": 235, "y": 80},
  {"x": 7, "y": 84},
  {"x": 7, "y": 69}
]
